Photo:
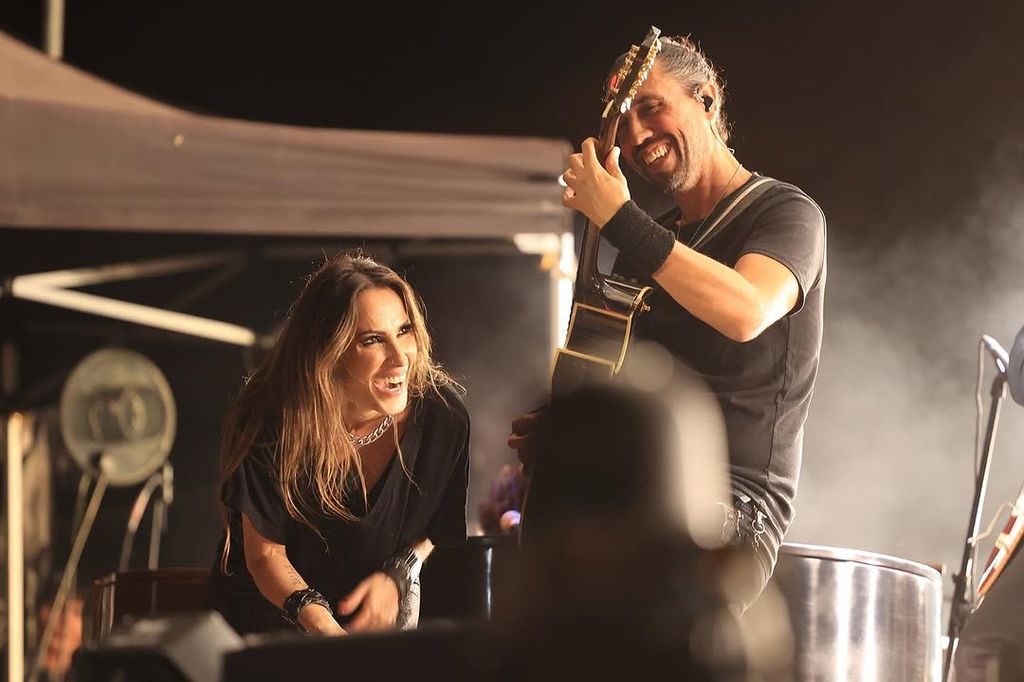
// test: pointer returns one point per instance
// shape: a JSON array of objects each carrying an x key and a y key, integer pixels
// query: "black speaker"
[
  {"x": 451, "y": 652},
  {"x": 183, "y": 647}
]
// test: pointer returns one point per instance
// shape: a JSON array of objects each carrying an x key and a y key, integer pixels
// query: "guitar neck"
[{"x": 587, "y": 275}]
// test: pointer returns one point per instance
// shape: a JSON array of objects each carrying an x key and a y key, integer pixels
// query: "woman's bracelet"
[
  {"x": 299, "y": 599},
  {"x": 403, "y": 568}
]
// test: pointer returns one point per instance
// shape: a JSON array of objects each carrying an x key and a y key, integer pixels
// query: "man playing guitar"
[{"x": 738, "y": 271}]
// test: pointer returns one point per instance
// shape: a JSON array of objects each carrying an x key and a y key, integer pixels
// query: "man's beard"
[{"x": 673, "y": 182}]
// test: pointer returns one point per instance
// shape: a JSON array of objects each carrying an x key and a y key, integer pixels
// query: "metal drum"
[{"x": 860, "y": 616}]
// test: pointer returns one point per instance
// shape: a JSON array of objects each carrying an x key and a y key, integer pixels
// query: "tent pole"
[
  {"x": 135, "y": 313},
  {"x": 15, "y": 551},
  {"x": 53, "y": 288},
  {"x": 55, "y": 29},
  {"x": 566, "y": 273}
]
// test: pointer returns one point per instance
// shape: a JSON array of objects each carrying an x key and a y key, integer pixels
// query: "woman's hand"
[
  {"x": 376, "y": 598},
  {"x": 316, "y": 620}
]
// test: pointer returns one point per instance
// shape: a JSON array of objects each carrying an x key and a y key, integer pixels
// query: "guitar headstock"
[{"x": 624, "y": 83}]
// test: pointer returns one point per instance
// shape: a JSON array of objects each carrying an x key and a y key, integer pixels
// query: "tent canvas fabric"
[{"x": 77, "y": 152}]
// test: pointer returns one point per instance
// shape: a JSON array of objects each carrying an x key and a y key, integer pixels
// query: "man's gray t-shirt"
[{"x": 764, "y": 386}]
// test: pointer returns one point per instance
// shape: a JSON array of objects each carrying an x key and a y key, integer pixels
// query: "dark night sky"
[{"x": 905, "y": 120}]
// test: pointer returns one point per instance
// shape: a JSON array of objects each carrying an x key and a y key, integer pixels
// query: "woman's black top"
[{"x": 435, "y": 448}]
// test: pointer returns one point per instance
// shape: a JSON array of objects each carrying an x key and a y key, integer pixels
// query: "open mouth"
[
  {"x": 390, "y": 385},
  {"x": 653, "y": 154}
]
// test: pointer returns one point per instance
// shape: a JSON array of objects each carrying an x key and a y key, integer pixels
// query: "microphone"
[
  {"x": 1015, "y": 369},
  {"x": 997, "y": 352}
]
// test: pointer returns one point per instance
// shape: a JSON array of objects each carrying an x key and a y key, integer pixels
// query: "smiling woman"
[
  {"x": 344, "y": 461},
  {"x": 374, "y": 369}
]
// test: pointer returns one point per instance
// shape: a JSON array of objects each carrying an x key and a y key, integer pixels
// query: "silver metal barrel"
[{"x": 859, "y": 616}]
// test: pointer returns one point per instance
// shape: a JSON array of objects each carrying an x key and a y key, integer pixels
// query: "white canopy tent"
[{"x": 77, "y": 152}]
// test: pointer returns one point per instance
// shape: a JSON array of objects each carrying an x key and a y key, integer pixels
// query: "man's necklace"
[
  {"x": 360, "y": 441},
  {"x": 698, "y": 234}
]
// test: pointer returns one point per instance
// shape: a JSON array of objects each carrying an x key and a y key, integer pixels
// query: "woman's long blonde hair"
[{"x": 294, "y": 399}]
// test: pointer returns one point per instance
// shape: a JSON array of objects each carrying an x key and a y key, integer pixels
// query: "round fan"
[{"x": 117, "y": 404}]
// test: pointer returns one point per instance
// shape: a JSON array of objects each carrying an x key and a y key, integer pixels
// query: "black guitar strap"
[{"x": 735, "y": 207}]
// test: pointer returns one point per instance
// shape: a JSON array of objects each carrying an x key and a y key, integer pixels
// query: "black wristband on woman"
[
  {"x": 299, "y": 599},
  {"x": 639, "y": 238}
]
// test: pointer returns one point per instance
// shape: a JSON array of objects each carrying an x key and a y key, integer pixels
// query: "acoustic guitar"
[{"x": 601, "y": 322}]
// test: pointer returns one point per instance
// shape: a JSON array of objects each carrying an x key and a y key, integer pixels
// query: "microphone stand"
[
  {"x": 71, "y": 567},
  {"x": 162, "y": 479},
  {"x": 160, "y": 514},
  {"x": 960, "y": 608}
]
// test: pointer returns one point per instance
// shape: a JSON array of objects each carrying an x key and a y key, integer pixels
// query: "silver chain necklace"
[{"x": 360, "y": 441}]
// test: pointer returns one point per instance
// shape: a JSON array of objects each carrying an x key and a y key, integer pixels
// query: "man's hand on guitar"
[
  {"x": 522, "y": 432},
  {"x": 595, "y": 190}
]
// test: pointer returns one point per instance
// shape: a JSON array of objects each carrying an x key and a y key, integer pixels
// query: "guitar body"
[
  {"x": 601, "y": 323},
  {"x": 598, "y": 337}
]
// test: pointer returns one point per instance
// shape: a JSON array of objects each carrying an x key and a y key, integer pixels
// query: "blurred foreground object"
[
  {"x": 623, "y": 569},
  {"x": 185, "y": 647}
]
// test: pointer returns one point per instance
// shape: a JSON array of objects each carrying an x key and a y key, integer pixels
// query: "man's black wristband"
[
  {"x": 636, "y": 235},
  {"x": 299, "y": 599}
]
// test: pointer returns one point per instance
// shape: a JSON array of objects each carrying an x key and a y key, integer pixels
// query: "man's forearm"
[{"x": 714, "y": 293}]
